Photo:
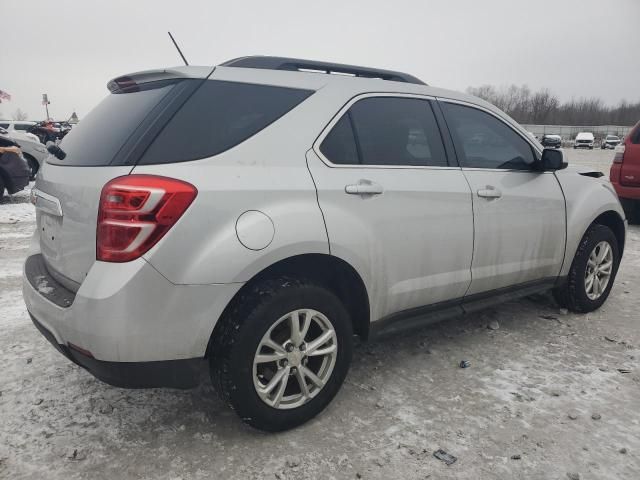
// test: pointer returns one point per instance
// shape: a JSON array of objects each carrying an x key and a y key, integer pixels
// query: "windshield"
[{"x": 97, "y": 139}]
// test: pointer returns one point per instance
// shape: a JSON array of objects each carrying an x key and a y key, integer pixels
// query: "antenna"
[{"x": 178, "y": 48}]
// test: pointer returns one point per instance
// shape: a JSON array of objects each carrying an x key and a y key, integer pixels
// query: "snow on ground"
[
  {"x": 543, "y": 398},
  {"x": 17, "y": 208}
]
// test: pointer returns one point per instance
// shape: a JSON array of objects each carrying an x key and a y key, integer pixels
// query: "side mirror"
[{"x": 552, "y": 159}]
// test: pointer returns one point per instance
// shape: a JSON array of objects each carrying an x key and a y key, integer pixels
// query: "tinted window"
[
  {"x": 5, "y": 142},
  {"x": 21, "y": 126},
  {"x": 4, "y": 125},
  {"x": 635, "y": 138},
  {"x": 340, "y": 145},
  {"x": 218, "y": 116},
  {"x": 483, "y": 141},
  {"x": 96, "y": 140},
  {"x": 397, "y": 131}
]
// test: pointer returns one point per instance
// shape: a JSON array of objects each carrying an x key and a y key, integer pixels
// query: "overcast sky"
[{"x": 71, "y": 48}]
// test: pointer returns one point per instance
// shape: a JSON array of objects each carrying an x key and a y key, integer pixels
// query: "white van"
[{"x": 584, "y": 140}]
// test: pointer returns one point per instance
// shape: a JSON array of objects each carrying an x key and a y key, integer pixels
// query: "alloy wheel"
[
  {"x": 599, "y": 270},
  {"x": 295, "y": 359}
]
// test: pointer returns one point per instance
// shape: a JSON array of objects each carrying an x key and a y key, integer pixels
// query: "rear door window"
[
  {"x": 219, "y": 116},
  {"x": 389, "y": 131},
  {"x": 339, "y": 146}
]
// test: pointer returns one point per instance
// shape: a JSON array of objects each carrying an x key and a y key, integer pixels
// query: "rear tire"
[
  {"x": 265, "y": 312},
  {"x": 575, "y": 293},
  {"x": 631, "y": 210},
  {"x": 33, "y": 165}
]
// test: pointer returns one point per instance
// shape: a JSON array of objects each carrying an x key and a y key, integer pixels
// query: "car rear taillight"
[
  {"x": 619, "y": 156},
  {"x": 136, "y": 211}
]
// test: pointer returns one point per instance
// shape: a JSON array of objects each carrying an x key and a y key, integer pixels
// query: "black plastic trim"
[
  {"x": 422, "y": 316},
  {"x": 182, "y": 374},
  {"x": 35, "y": 270},
  {"x": 145, "y": 134},
  {"x": 445, "y": 135}
]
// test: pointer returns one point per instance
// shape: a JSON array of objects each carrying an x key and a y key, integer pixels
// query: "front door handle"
[
  {"x": 489, "y": 192},
  {"x": 364, "y": 187}
]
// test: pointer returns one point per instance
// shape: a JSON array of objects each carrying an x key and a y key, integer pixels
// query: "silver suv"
[{"x": 253, "y": 217}]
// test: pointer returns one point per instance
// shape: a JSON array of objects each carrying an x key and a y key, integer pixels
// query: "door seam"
[{"x": 324, "y": 220}]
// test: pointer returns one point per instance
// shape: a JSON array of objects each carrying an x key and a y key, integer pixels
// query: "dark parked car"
[
  {"x": 14, "y": 169},
  {"x": 551, "y": 141}
]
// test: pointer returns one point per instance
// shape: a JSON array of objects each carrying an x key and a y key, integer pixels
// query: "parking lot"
[{"x": 547, "y": 395}]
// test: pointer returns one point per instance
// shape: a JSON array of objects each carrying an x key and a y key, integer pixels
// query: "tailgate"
[
  {"x": 630, "y": 168},
  {"x": 66, "y": 215},
  {"x": 103, "y": 146}
]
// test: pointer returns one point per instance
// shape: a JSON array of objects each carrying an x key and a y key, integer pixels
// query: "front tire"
[
  {"x": 592, "y": 272},
  {"x": 282, "y": 352}
]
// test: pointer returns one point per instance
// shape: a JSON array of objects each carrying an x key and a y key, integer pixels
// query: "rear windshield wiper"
[{"x": 56, "y": 151}]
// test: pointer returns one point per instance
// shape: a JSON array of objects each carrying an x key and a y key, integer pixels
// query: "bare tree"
[
  {"x": 543, "y": 104},
  {"x": 19, "y": 115},
  {"x": 543, "y": 107}
]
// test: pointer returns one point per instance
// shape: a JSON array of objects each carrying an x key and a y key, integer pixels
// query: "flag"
[{"x": 4, "y": 96}]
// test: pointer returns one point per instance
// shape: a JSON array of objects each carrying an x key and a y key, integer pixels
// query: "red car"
[{"x": 625, "y": 173}]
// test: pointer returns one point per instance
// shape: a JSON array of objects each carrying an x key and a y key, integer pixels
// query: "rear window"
[
  {"x": 96, "y": 140},
  {"x": 219, "y": 116}
]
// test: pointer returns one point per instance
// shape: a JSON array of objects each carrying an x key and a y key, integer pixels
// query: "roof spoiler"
[
  {"x": 129, "y": 83},
  {"x": 300, "y": 65}
]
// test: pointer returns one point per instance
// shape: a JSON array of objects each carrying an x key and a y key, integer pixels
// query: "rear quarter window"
[{"x": 219, "y": 116}]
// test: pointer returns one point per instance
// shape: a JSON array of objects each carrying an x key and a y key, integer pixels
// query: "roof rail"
[{"x": 297, "y": 64}]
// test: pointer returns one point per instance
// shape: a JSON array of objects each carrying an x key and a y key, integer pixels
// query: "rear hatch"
[
  {"x": 150, "y": 118},
  {"x": 103, "y": 146}
]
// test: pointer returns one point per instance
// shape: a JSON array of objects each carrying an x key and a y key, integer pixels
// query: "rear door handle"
[
  {"x": 364, "y": 187},
  {"x": 489, "y": 192}
]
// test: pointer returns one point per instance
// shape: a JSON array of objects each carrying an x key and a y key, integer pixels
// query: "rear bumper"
[
  {"x": 171, "y": 374},
  {"x": 125, "y": 314},
  {"x": 624, "y": 192}
]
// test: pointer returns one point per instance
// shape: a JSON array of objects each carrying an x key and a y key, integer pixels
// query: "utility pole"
[{"x": 46, "y": 102}]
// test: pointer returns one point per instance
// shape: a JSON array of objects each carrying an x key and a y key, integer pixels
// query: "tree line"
[{"x": 544, "y": 108}]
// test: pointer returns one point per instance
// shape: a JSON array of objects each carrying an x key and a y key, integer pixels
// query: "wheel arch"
[
  {"x": 33, "y": 163},
  {"x": 332, "y": 272},
  {"x": 6, "y": 180},
  {"x": 614, "y": 221}
]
